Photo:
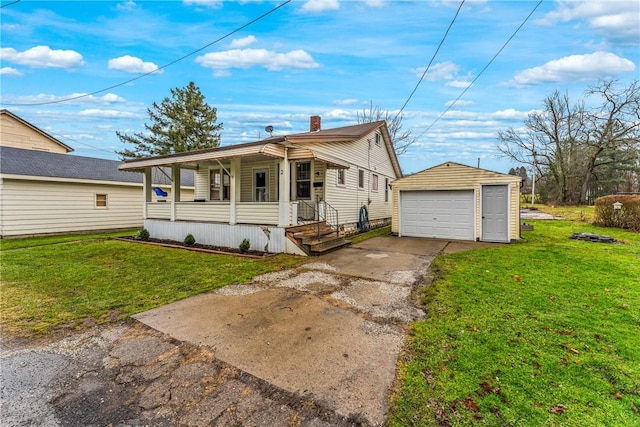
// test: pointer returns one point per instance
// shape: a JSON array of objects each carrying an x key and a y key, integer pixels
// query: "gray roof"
[{"x": 18, "y": 161}]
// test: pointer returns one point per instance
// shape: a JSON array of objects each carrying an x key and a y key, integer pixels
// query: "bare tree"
[
  {"x": 567, "y": 144},
  {"x": 401, "y": 138}
]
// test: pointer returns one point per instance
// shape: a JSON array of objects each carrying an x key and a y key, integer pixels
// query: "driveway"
[
  {"x": 315, "y": 346},
  {"x": 329, "y": 332}
]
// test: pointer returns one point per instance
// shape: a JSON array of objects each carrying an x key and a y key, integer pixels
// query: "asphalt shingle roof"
[{"x": 18, "y": 161}]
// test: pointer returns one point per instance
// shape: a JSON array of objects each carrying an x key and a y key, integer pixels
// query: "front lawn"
[
  {"x": 543, "y": 332},
  {"x": 71, "y": 281}
]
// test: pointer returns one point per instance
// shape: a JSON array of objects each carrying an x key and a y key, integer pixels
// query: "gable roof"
[
  {"x": 274, "y": 147},
  {"x": 20, "y": 161},
  {"x": 485, "y": 172},
  {"x": 37, "y": 129}
]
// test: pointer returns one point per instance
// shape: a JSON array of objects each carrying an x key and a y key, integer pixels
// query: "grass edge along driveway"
[
  {"x": 542, "y": 332},
  {"x": 75, "y": 281}
]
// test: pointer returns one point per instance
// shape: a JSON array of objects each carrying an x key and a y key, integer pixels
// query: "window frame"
[
  {"x": 374, "y": 182},
  {"x": 341, "y": 173},
  {"x": 265, "y": 187},
  {"x": 299, "y": 180},
  {"x": 378, "y": 139},
  {"x": 98, "y": 202},
  {"x": 361, "y": 179},
  {"x": 224, "y": 190}
]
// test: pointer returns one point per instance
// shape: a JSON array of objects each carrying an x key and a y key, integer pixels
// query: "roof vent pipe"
[{"x": 314, "y": 123}]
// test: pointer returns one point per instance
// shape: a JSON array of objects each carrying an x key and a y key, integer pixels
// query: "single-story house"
[
  {"x": 454, "y": 201},
  {"x": 44, "y": 190},
  {"x": 263, "y": 190}
]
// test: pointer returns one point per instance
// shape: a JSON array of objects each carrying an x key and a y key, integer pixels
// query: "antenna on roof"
[{"x": 269, "y": 129}]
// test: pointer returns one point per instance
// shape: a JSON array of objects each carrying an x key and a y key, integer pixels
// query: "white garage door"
[{"x": 439, "y": 214}]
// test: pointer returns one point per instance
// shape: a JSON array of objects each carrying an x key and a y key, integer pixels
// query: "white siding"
[
  {"x": 41, "y": 207},
  {"x": 217, "y": 234},
  {"x": 454, "y": 176},
  {"x": 209, "y": 211},
  {"x": 15, "y": 134},
  {"x": 349, "y": 198},
  {"x": 257, "y": 213},
  {"x": 246, "y": 179}
]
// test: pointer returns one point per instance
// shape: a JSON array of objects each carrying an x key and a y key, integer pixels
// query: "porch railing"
[{"x": 320, "y": 211}]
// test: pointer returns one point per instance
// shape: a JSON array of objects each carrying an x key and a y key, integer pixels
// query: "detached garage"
[{"x": 454, "y": 201}]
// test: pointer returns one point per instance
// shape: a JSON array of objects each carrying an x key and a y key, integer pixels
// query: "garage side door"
[{"x": 438, "y": 214}]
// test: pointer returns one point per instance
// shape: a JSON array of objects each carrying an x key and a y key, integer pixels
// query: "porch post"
[
  {"x": 234, "y": 189},
  {"x": 146, "y": 190},
  {"x": 175, "y": 189},
  {"x": 285, "y": 185}
]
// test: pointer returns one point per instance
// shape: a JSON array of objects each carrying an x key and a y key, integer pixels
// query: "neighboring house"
[
  {"x": 43, "y": 190},
  {"x": 17, "y": 132},
  {"x": 259, "y": 190},
  {"x": 454, "y": 201}
]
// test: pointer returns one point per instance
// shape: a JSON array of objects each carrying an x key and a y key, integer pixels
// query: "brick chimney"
[{"x": 314, "y": 123}]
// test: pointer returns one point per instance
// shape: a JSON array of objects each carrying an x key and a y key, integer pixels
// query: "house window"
[
  {"x": 374, "y": 182},
  {"x": 101, "y": 200},
  {"x": 361, "y": 179},
  {"x": 260, "y": 185},
  {"x": 386, "y": 189},
  {"x": 220, "y": 185},
  {"x": 378, "y": 139},
  {"x": 341, "y": 177},
  {"x": 303, "y": 180}
]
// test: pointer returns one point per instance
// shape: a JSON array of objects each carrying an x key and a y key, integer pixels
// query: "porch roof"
[{"x": 271, "y": 147}]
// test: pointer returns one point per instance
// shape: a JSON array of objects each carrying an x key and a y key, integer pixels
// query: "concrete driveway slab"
[{"x": 330, "y": 331}]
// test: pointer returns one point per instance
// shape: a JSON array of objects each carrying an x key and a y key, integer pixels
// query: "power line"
[
  {"x": 481, "y": 71},
  {"x": 81, "y": 143},
  {"x": 430, "y": 62},
  {"x": 9, "y": 4},
  {"x": 159, "y": 68}
]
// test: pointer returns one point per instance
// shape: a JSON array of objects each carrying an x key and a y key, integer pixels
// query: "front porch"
[{"x": 250, "y": 192}]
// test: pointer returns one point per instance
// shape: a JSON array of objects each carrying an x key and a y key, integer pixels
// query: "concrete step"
[
  {"x": 311, "y": 233},
  {"x": 302, "y": 227},
  {"x": 328, "y": 245}
]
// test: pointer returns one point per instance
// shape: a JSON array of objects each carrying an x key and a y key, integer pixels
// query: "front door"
[
  {"x": 261, "y": 185},
  {"x": 495, "y": 213}
]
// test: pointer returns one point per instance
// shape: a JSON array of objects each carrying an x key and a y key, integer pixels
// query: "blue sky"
[{"x": 320, "y": 57}]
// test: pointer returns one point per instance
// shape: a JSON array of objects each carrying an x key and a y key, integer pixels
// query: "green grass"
[
  {"x": 48, "y": 285},
  {"x": 572, "y": 213},
  {"x": 514, "y": 331},
  {"x": 382, "y": 231},
  {"x": 8, "y": 244}
]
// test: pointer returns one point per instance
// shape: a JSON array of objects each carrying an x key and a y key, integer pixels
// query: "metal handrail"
[{"x": 328, "y": 214}]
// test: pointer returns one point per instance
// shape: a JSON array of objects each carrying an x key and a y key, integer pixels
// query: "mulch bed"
[{"x": 197, "y": 247}]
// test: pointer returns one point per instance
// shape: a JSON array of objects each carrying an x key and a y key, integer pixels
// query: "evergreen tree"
[{"x": 181, "y": 123}]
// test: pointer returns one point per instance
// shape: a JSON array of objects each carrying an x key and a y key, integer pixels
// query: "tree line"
[{"x": 580, "y": 150}]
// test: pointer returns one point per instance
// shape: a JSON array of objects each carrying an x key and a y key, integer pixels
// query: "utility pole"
[{"x": 533, "y": 175}]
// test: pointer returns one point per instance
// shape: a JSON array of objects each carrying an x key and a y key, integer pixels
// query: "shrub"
[
  {"x": 189, "y": 240},
  {"x": 628, "y": 217},
  {"x": 143, "y": 235},
  {"x": 244, "y": 246}
]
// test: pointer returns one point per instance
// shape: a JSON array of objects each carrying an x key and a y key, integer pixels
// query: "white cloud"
[
  {"x": 9, "y": 27},
  {"x": 132, "y": 64},
  {"x": 576, "y": 67},
  {"x": 459, "y": 103},
  {"x": 96, "y": 112},
  {"x": 42, "y": 57},
  {"x": 208, "y": 3},
  {"x": 441, "y": 71},
  {"x": 348, "y": 101},
  {"x": 376, "y": 3},
  {"x": 8, "y": 71},
  {"x": 247, "y": 58},
  {"x": 316, "y": 6},
  {"x": 338, "y": 114},
  {"x": 243, "y": 42},
  {"x": 460, "y": 84},
  {"x": 111, "y": 98},
  {"x": 616, "y": 21},
  {"x": 127, "y": 5}
]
